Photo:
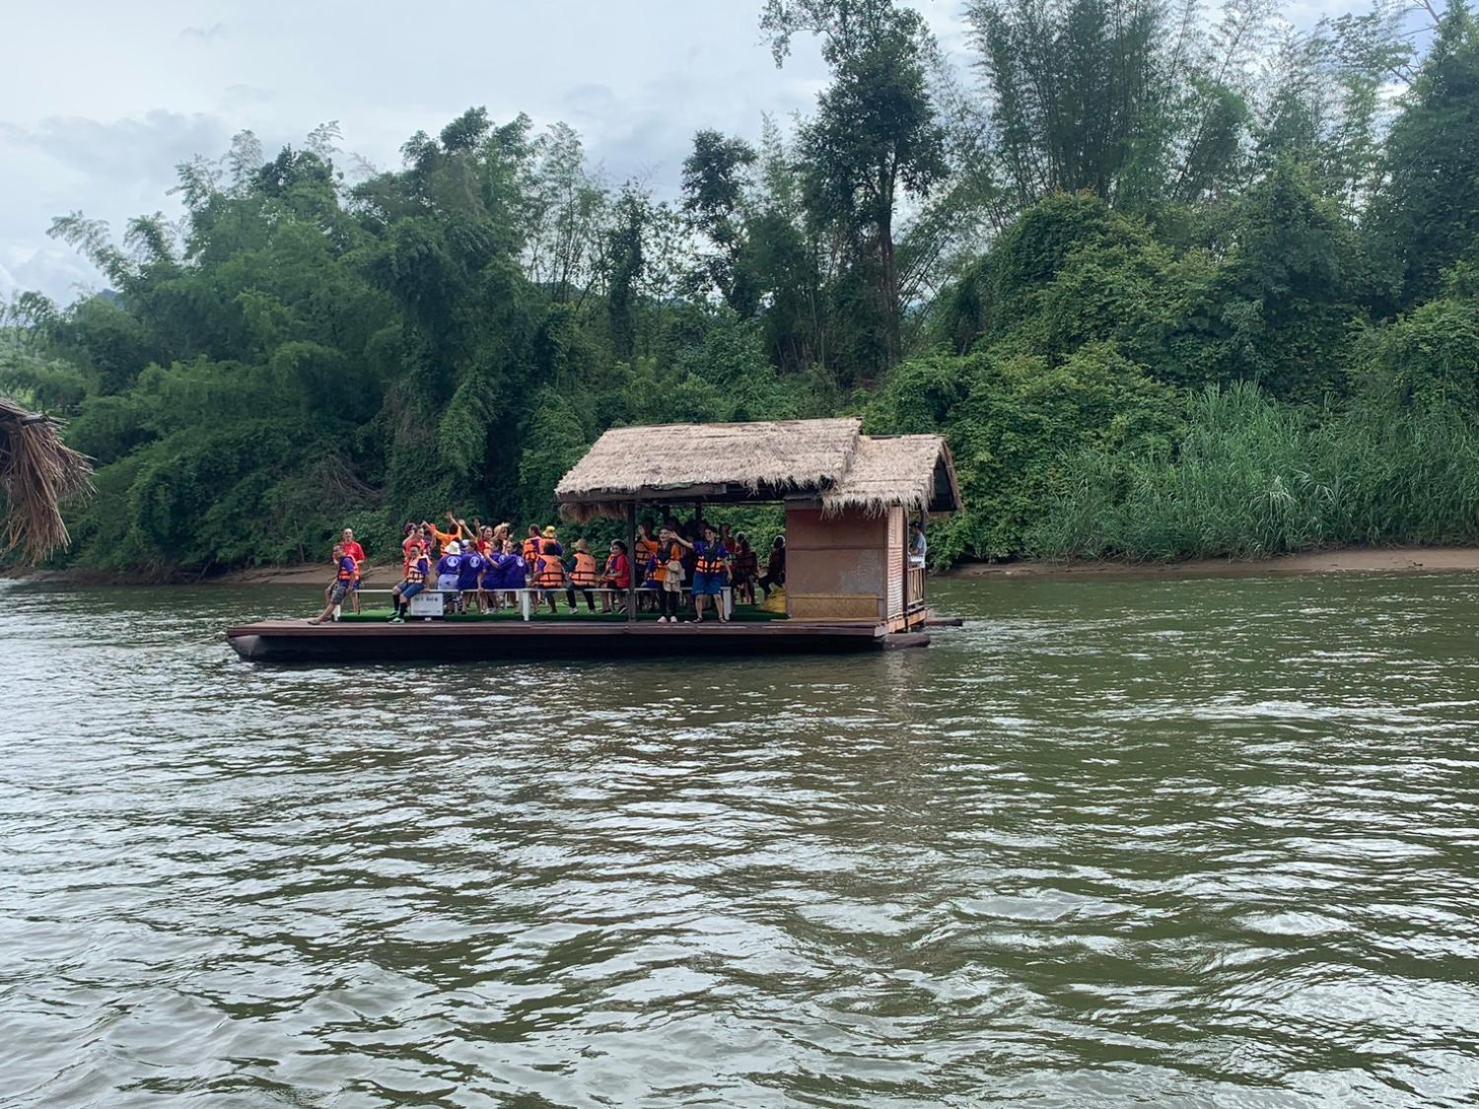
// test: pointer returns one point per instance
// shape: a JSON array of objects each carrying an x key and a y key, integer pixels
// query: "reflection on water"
[{"x": 1189, "y": 843}]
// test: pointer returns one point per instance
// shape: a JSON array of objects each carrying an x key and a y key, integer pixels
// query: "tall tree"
[
  {"x": 1426, "y": 214},
  {"x": 713, "y": 198},
  {"x": 874, "y": 140}
]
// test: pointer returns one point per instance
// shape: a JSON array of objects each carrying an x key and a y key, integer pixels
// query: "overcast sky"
[{"x": 100, "y": 100}]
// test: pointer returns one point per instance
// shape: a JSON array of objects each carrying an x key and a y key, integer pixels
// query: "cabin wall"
[
  {"x": 898, "y": 529},
  {"x": 836, "y": 566}
]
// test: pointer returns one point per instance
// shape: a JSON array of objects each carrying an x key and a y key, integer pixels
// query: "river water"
[{"x": 1205, "y": 842}]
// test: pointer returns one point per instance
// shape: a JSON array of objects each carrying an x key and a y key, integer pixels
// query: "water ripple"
[{"x": 1180, "y": 843}]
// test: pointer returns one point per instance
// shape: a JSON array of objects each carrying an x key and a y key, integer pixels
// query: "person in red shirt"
[{"x": 617, "y": 575}]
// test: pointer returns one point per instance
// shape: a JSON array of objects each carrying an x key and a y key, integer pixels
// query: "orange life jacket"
[
  {"x": 710, "y": 562},
  {"x": 584, "y": 573},
  {"x": 347, "y": 575},
  {"x": 414, "y": 572},
  {"x": 531, "y": 551},
  {"x": 550, "y": 571},
  {"x": 646, "y": 551},
  {"x": 674, "y": 553}
]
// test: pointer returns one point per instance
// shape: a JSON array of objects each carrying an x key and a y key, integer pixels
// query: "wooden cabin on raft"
[{"x": 849, "y": 499}]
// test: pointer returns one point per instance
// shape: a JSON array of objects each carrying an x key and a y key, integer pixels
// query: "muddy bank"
[{"x": 1408, "y": 560}]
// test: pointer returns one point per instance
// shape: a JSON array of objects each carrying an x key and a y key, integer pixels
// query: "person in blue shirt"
[
  {"x": 346, "y": 570},
  {"x": 711, "y": 574}
]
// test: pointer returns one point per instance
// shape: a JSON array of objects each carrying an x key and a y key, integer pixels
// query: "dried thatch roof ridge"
[
  {"x": 830, "y": 459},
  {"x": 786, "y": 454},
  {"x": 892, "y": 471},
  {"x": 37, "y": 473}
]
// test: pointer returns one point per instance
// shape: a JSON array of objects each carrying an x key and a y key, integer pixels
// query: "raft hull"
[{"x": 298, "y": 641}]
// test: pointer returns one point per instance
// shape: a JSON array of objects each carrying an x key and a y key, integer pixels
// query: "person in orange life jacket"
[
  {"x": 531, "y": 547},
  {"x": 670, "y": 572},
  {"x": 344, "y": 575},
  {"x": 549, "y": 571},
  {"x": 442, "y": 538},
  {"x": 711, "y": 574},
  {"x": 744, "y": 569},
  {"x": 643, "y": 555},
  {"x": 583, "y": 576},
  {"x": 409, "y": 546},
  {"x": 617, "y": 575},
  {"x": 417, "y": 571}
]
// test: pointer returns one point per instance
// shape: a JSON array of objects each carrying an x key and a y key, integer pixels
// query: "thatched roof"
[
  {"x": 756, "y": 461},
  {"x": 37, "y": 473},
  {"x": 763, "y": 461},
  {"x": 915, "y": 471}
]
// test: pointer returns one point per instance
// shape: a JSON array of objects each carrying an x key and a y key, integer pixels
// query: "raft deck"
[{"x": 361, "y": 640}]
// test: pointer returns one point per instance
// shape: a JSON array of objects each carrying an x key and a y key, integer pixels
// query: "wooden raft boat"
[
  {"x": 297, "y": 641},
  {"x": 853, "y": 583}
]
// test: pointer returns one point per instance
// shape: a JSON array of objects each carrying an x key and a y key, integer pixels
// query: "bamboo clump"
[{"x": 38, "y": 473}]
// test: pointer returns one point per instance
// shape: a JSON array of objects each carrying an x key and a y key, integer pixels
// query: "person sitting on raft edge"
[
  {"x": 346, "y": 570},
  {"x": 418, "y": 566}
]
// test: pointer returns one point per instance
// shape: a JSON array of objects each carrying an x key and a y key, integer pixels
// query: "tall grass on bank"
[{"x": 1252, "y": 478}]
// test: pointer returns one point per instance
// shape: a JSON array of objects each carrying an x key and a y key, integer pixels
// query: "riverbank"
[{"x": 1398, "y": 560}]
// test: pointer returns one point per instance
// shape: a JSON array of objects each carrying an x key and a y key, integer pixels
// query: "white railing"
[{"x": 530, "y": 596}]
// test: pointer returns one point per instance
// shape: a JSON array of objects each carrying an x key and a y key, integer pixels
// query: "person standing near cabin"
[
  {"x": 711, "y": 574},
  {"x": 616, "y": 575},
  {"x": 644, "y": 556},
  {"x": 583, "y": 576},
  {"x": 775, "y": 567},
  {"x": 344, "y": 574},
  {"x": 531, "y": 549},
  {"x": 550, "y": 570},
  {"x": 670, "y": 572},
  {"x": 417, "y": 571},
  {"x": 744, "y": 569},
  {"x": 919, "y": 549}
]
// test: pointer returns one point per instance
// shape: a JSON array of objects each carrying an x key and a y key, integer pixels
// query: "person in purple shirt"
[{"x": 469, "y": 578}]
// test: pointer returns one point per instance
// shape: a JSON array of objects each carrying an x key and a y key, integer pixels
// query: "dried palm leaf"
[{"x": 38, "y": 473}]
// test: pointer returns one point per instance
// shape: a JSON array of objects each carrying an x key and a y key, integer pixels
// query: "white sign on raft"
[{"x": 426, "y": 604}]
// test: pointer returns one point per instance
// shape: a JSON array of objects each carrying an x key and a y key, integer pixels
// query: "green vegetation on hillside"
[{"x": 1168, "y": 293}]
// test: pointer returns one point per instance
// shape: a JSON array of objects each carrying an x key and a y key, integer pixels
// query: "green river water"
[{"x": 1183, "y": 843}]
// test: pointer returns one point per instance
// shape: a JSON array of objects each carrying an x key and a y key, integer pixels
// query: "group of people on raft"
[{"x": 482, "y": 567}]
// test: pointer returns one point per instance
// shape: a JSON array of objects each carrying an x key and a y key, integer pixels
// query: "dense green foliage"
[{"x": 1168, "y": 292}]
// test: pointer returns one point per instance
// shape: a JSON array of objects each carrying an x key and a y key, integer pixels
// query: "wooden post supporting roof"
[{"x": 632, "y": 562}]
